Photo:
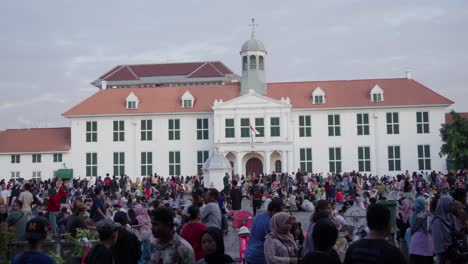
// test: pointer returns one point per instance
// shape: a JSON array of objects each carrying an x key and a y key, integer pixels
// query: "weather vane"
[{"x": 253, "y": 25}]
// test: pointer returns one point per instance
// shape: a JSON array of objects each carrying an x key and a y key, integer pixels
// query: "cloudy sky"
[{"x": 51, "y": 50}]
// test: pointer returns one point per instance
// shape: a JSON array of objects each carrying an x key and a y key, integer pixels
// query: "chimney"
[
  {"x": 103, "y": 85},
  {"x": 409, "y": 74}
]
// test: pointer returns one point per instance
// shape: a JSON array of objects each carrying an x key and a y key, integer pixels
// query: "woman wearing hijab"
[
  {"x": 402, "y": 222},
  {"x": 421, "y": 247},
  {"x": 143, "y": 219},
  {"x": 442, "y": 225},
  {"x": 279, "y": 243},
  {"x": 213, "y": 247}
]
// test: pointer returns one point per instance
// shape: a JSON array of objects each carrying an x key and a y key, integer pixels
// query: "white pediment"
[
  {"x": 376, "y": 89},
  {"x": 252, "y": 100},
  {"x": 132, "y": 97},
  {"x": 187, "y": 96},
  {"x": 318, "y": 91}
]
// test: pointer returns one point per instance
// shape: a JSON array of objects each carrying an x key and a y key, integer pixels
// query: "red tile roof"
[
  {"x": 134, "y": 72},
  {"x": 448, "y": 116},
  {"x": 35, "y": 140},
  {"x": 338, "y": 94},
  {"x": 355, "y": 93}
]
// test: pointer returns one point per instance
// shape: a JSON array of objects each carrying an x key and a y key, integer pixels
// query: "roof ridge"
[
  {"x": 114, "y": 72},
  {"x": 166, "y": 63},
  {"x": 216, "y": 69},
  {"x": 132, "y": 72},
  {"x": 352, "y": 80},
  {"x": 193, "y": 72}
]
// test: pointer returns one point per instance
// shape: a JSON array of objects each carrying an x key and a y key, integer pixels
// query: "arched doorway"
[{"x": 254, "y": 165}]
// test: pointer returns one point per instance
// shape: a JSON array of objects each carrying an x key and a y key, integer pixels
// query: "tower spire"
[{"x": 253, "y": 25}]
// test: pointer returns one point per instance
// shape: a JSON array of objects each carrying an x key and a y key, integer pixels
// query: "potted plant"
[{"x": 82, "y": 241}]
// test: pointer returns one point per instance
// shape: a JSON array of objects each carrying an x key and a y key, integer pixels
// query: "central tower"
[{"x": 253, "y": 65}]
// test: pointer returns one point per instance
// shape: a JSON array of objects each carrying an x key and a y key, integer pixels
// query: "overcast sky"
[{"x": 51, "y": 50}]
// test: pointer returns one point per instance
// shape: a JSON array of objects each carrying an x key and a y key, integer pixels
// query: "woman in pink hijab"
[
  {"x": 403, "y": 223},
  {"x": 143, "y": 219},
  {"x": 280, "y": 246}
]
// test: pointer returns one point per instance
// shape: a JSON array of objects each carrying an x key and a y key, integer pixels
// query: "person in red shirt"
[
  {"x": 193, "y": 231},
  {"x": 339, "y": 196},
  {"x": 53, "y": 207}
]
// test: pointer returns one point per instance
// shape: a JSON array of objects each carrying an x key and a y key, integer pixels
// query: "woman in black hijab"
[{"x": 213, "y": 247}]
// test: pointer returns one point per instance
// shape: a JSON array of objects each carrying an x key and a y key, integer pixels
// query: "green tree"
[{"x": 455, "y": 138}]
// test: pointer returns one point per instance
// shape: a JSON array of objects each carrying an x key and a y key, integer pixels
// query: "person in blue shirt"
[
  {"x": 36, "y": 233},
  {"x": 98, "y": 211},
  {"x": 254, "y": 254}
]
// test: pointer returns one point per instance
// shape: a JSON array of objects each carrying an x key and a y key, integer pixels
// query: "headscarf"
[
  {"x": 218, "y": 257},
  {"x": 442, "y": 225},
  {"x": 282, "y": 233},
  {"x": 405, "y": 211},
  {"x": 419, "y": 206},
  {"x": 142, "y": 215}
]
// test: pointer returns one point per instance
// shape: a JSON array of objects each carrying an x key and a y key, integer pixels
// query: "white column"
[
  {"x": 239, "y": 163},
  {"x": 291, "y": 164},
  {"x": 267, "y": 161},
  {"x": 284, "y": 161},
  {"x": 217, "y": 127}
]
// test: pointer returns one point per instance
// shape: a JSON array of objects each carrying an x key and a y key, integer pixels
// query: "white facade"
[{"x": 27, "y": 169}]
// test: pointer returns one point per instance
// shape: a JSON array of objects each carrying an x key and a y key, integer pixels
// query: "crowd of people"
[{"x": 177, "y": 220}]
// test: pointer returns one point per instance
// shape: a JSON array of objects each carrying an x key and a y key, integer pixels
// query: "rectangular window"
[
  {"x": 119, "y": 163},
  {"x": 334, "y": 125},
  {"x": 131, "y": 105},
  {"x": 15, "y": 175},
  {"x": 36, "y": 175},
  {"x": 318, "y": 99},
  {"x": 91, "y": 164},
  {"x": 202, "y": 156},
  {"x": 424, "y": 157},
  {"x": 36, "y": 158},
  {"x": 174, "y": 129},
  {"x": 422, "y": 122},
  {"x": 229, "y": 130},
  {"x": 260, "y": 127},
  {"x": 377, "y": 97},
  {"x": 15, "y": 158},
  {"x": 362, "y": 124},
  {"x": 146, "y": 163},
  {"x": 119, "y": 130},
  {"x": 334, "y": 156},
  {"x": 394, "y": 161},
  {"x": 146, "y": 130},
  {"x": 91, "y": 131},
  {"x": 202, "y": 128},
  {"x": 305, "y": 155},
  {"x": 305, "y": 129},
  {"x": 275, "y": 127},
  {"x": 393, "y": 126},
  {"x": 174, "y": 163},
  {"x": 245, "y": 127},
  {"x": 57, "y": 157},
  {"x": 187, "y": 103},
  {"x": 364, "y": 162}
]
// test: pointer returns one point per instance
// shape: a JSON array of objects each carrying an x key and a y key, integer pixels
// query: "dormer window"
[
  {"x": 187, "y": 100},
  {"x": 376, "y": 94},
  {"x": 131, "y": 105},
  {"x": 318, "y": 96},
  {"x": 132, "y": 101}
]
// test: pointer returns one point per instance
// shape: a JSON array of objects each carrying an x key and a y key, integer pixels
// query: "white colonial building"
[{"x": 169, "y": 118}]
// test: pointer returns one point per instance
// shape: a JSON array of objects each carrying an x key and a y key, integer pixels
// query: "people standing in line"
[
  {"x": 280, "y": 246},
  {"x": 210, "y": 212},
  {"x": 35, "y": 234},
  {"x": 374, "y": 248},
  {"x": 213, "y": 247},
  {"x": 169, "y": 247},
  {"x": 254, "y": 253},
  {"x": 236, "y": 197},
  {"x": 324, "y": 235},
  {"x": 442, "y": 227},
  {"x": 193, "y": 231},
  {"x": 17, "y": 219},
  {"x": 421, "y": 246}
]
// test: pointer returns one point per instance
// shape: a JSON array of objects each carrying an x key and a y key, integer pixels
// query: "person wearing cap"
[
  {"x": 36, "y": 233},
  {"x": 76, "y": 220},
  {"x": 169, "y": 247},
  {"x": 101, "y": 253},
  {"x": 117, "y": 208},
  {"x": 260, "y": 228}
]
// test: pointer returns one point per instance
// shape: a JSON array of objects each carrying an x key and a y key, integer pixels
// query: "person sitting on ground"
[
  {"x": 260, "y": 228},
  {"x": 169, "y": 247},
  {"x": 36, "y": 234},
  {"x": 213, "y": 248},
  {"x": 374, "y": 248},
  {"x": 101, "y": 253},
  {"x": 324, "y": 236},
  {"x": 127, "y": 248},
  {"x": 193, "y": 231}
]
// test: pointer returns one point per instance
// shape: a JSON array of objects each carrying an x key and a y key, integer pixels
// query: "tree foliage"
[{"x": 455, "y": 138}]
